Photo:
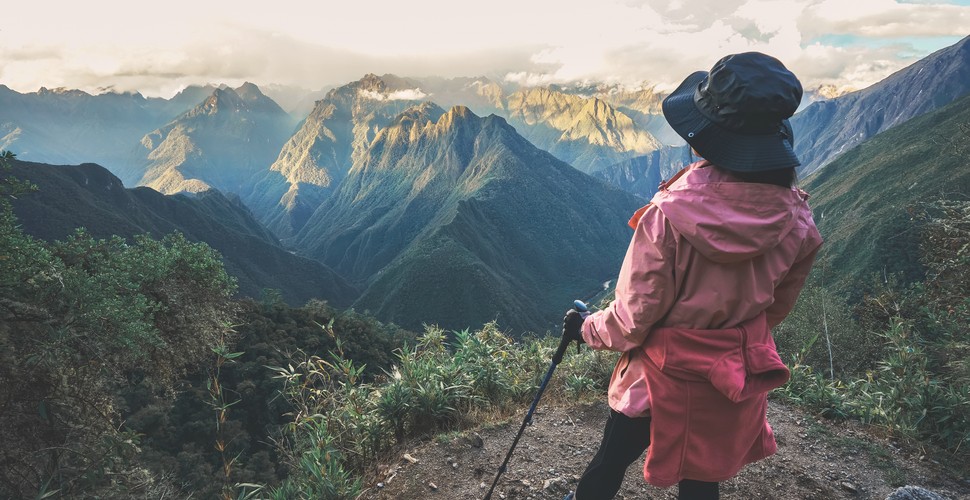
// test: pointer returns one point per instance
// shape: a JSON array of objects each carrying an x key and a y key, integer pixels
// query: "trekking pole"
[{"x": 556, "y": 359}]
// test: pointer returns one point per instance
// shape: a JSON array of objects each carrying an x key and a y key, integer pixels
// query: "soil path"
[{"x": 816, "y": 460}]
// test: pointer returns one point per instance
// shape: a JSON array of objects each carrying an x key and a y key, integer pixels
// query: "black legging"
[{"x": 624, "y": 440}]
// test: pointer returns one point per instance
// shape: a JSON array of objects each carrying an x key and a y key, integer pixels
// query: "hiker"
[{"x": 717, "y": 259}]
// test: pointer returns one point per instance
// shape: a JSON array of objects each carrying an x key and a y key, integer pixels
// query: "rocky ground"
[{"x": 816, "y": 459}]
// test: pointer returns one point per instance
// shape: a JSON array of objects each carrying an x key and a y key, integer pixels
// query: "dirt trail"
[{"x": 815, "y": 460}]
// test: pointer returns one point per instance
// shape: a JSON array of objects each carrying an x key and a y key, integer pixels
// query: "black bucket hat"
[{"x": 736, "y": 116}]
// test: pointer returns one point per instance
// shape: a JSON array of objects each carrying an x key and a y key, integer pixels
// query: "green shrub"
[
  {"x": 320, "y": 472},
  {"x": 916, "y": 383},
  {"x": 906, "y": 397},
  {"x": 820, "y": 332},
  {"x": 435, "y": 386},
  {"x": 79, "y": 321}
]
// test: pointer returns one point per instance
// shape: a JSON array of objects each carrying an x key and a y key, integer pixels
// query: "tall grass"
[
  {"x": 906, "y": 371},
  {"x": 340, "y": 424}
]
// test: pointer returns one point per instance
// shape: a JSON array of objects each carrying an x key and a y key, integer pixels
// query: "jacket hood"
[{"x": 727, "y": 220}]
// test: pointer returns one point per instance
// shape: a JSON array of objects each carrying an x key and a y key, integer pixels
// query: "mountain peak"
[
  {"x": 459, "y": 112},
  {"x": 248, "y": 98},
  {"x": 257, "y": 100},
  {"x": 112, "y": 92},
  {"x": 195, "y": 89},
  {"x": 372, "y": 82},
  {"x": 423, "y": 112},
  {"x": 411, "y": 124},
  {"x": 63, "y": 91},
  {"x": 222, "y": 99},
  {"x": 457, "y": 117},
  {"x": 249, "y": 91}
]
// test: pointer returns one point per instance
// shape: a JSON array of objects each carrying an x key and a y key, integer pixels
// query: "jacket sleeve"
[
  {"x": 645, "y": 289},
  {"x": 786, "y": 293}
]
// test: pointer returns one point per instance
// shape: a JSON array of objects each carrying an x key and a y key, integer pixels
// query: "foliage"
[
  {"x": 860, "y": 199},
  {"x": 821, "y": 332},
  {"x": 177, "y": 436},
  {"x": 80, "y": 319},
  {"x": 923, "y": 386},
  {"x": 907, "y": 396},
  {"x": 918, "y": 386},
  {"x": 341, "y": 424}
]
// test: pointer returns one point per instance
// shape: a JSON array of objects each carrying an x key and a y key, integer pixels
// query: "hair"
[{"x": 784, "y": 177}]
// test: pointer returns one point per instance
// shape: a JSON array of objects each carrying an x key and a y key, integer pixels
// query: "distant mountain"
[
  {"x": 71, "y": 126},
  {"x": 89, "y": 196},
  {"x": 587, "y": 133},
  {"x": 191, "y": 96},
  {"x": 221, "y": 143},
  {"x": 455, "y": 219},
  {"x": 826, "y": 92},
  {"x": 642, "y": 175},
  {"x": 317, "y": 157},
  {"x": 641, "y": 104},
  {"x": 826, "y": 129},
  {"x": 862, "y": 201}
]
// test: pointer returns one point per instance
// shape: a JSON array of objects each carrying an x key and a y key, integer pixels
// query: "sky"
[{"x": 159, "y": 47}]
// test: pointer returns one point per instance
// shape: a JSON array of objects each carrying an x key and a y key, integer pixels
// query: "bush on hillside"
[
  {"x": 177, "y": 436},
  {"x": 79, "y": 320},
  {"x": 821, "y": 332},
  {"x": 342, "y": 424},
  {"x": 919, "y": 385}
]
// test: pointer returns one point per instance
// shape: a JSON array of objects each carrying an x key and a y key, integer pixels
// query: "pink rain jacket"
[{"x": 714, "y": 263}]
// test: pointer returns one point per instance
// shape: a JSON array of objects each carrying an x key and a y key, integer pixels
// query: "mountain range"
[
  {"x": 454, "y": 201},
  {"x": 826, "y": 129},
  {"x": 88, "y": 196},
  {"x": 867, "y": 201},
  {"x": 457, "y": 218},
  {"x": 314, "y": 161},
  {"x": 65, "y": 126},
  {"x": 587, "y": 133},
  {"x": 221, "y": 143}
]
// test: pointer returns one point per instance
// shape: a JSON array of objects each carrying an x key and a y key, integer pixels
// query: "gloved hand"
[{"x": 572, "y": 325}]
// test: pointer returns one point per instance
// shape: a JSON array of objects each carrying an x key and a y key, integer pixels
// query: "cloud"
[
  {"x": 692, "y": 13},
  {"x": 397, "y": 95},
  {"x": 884, "y": 18},
  {"x": 537, "y": 42},
  {"x": 529, "y": 79},
  {"x": 406, "y": 95},
  {"x": 233, "y": 57},
  {"x": 823, "y": 41}
]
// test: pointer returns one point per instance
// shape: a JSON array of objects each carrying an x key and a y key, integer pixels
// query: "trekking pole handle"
[{"x": 564, "y": 343}]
